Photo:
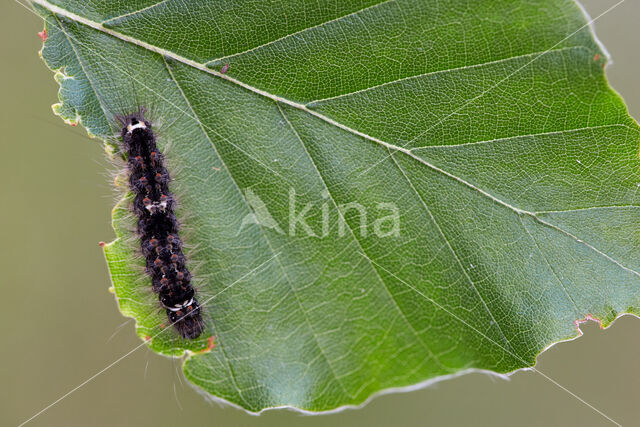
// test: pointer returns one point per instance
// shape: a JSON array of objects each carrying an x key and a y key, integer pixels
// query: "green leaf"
[{"x": 488, "y": 127}]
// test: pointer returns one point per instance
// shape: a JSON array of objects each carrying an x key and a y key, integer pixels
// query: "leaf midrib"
[{"x": 165, "y": 53}]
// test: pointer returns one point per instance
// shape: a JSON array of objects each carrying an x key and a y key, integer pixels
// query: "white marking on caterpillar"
[
  {"x": 155, "y": 205},
  {"x": 179, "y": 307},
  {"x": 139, "y": 125}
]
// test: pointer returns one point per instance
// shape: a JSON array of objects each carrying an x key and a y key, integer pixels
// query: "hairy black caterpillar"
[{"x": 158, "y": 227}]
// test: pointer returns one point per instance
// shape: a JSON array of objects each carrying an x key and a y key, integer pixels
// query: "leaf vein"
[
  {"x": 93, "y": 87},
  {"x": 355, "y": 239},
  {"x": 298, "y": 32},
  {"x": 531, "y": 135},
  {"x": 453, "y": 252},
  {"x": 448, "y": 70},
  {"x": 546, "y": 260},
  {"x": 264, "y": 235},
  {"x": 197, "y": 119},
  {"x": 144, "y": 9}
]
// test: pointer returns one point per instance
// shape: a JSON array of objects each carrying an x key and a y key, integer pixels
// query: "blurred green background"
[{"x": 60, "y": 325}]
